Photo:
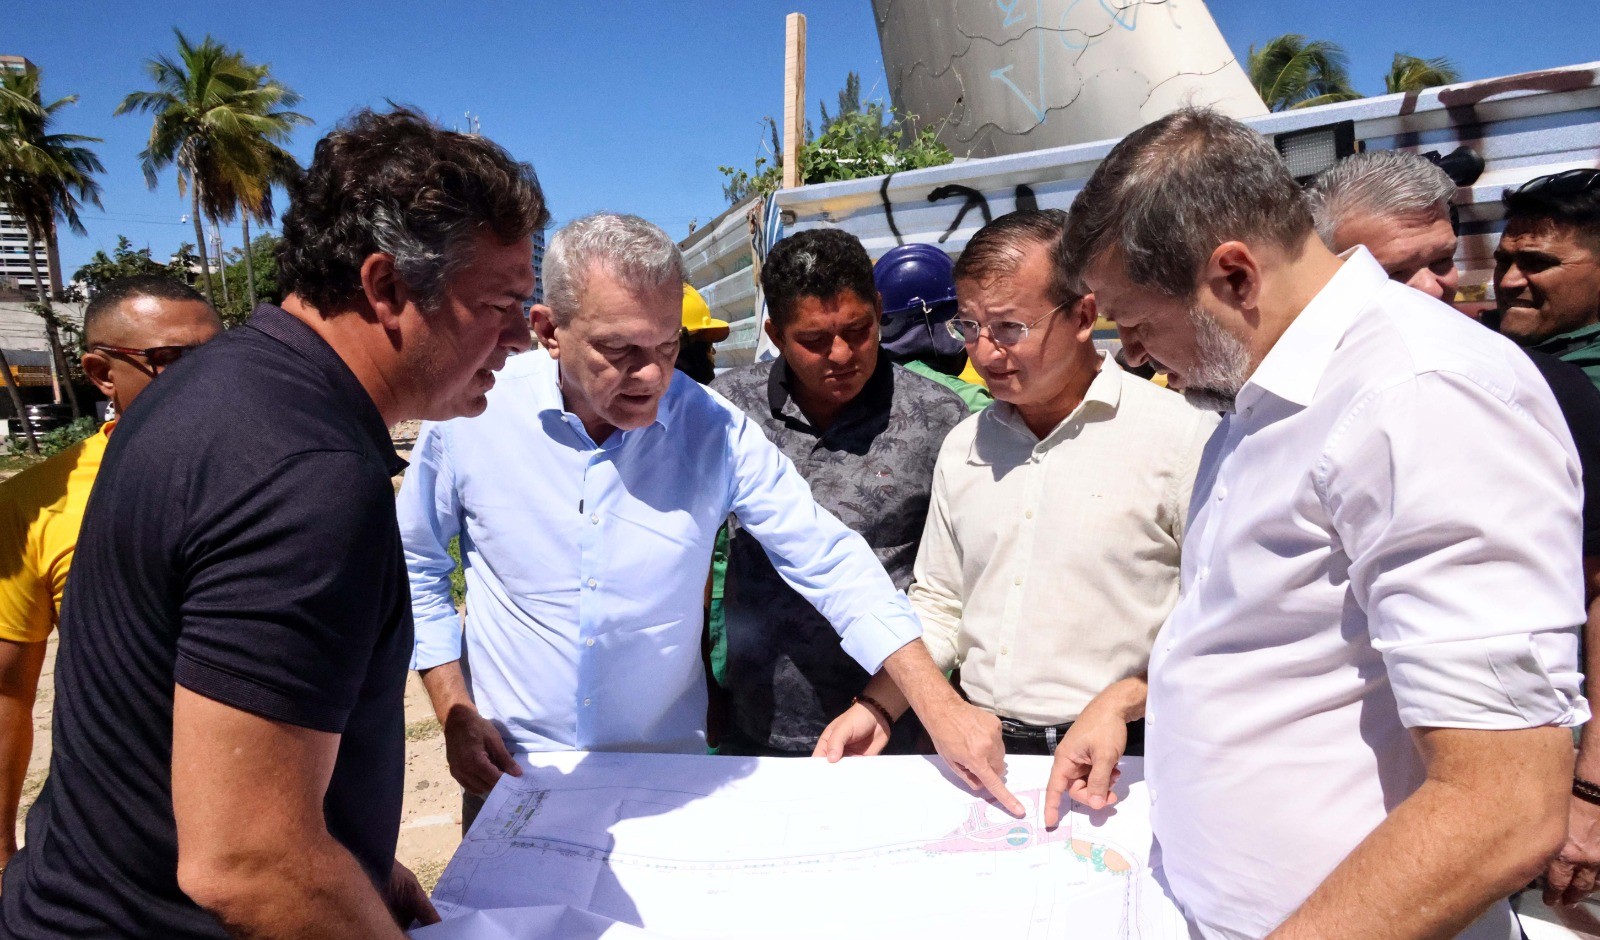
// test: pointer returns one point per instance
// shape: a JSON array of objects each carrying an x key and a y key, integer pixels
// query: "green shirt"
[
  {"x": 976, "y": 396},
  {"x": 1581, "y": 347}
]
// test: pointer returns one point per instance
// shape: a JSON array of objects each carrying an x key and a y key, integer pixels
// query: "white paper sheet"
[{"x": 720, "y": 847}]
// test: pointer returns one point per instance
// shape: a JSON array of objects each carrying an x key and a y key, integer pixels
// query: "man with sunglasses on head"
[
  {"x": 1547, "y": 268},
  {"x": 1051, "y": 552},
  {"x": 133, "y": 328}
]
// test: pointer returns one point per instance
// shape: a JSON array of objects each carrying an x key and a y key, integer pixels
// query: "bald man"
[{"x": 133, "y": 329}]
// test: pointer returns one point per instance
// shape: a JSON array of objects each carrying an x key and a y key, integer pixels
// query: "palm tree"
[
  {"x": 1410, "y": 73},
  {"x": 44, "y": 177},
  {"x": 1292, "y": 72},
  {"x": 212, "y": 111},
  {"x": 250, "y": 177}
]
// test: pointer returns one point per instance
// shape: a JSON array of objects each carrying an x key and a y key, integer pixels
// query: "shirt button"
[
  {"x": 585, "y": 703},
  {"x": 1028, "y": 514},
  {"x": 1016, "y": 581},
  {"x": 593, "y": 584},
  {"x": 1222, "y": 493},
  {"x": 589, "y": 642},
  {"x": 1005, "y": 651}
]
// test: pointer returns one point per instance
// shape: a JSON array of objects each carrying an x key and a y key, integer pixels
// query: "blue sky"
[{"x": 623, "y": 104}]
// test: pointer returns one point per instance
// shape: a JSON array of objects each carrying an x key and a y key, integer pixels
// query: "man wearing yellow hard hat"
[{"x": 697, "y": 356}]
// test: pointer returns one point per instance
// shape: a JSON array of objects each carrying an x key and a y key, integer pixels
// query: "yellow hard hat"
[{"x": 697, "y": 318}]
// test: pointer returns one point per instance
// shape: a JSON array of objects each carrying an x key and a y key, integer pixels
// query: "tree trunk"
[
  {"x": 51, "y": 335},
  {"x": 16, "y": 402},
  {"x": 249, "y": 262},
  {"x": 200, "y": 237},
  {"x": 222, "y": 263}
]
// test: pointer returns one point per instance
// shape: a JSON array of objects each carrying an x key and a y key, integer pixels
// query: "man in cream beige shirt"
[{"x": 1051, "y": 553}]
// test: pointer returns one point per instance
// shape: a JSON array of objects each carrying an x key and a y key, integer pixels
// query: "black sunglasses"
[{"x": 1567, "y": 183}]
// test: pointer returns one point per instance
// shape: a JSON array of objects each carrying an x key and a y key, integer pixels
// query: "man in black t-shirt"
[{"x": 229, "y": 747}]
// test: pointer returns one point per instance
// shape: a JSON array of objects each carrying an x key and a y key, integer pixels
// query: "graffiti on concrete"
[{"x": 1023, "y": 196}]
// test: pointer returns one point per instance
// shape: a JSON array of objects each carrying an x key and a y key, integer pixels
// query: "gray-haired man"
[
  {"x": 587, "y": 498},
  {"x": 1397, "y": 204}
]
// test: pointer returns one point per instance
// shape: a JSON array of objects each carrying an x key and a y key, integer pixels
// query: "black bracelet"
[
  {"x": 874, "y": 705},
  {"x": 1586, "y": 791}
]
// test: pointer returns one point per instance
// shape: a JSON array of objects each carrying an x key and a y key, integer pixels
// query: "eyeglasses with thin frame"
[
  {"x": 156, "y": 357},
  {"x": 1001, "y": 333},
  {"x": 1566, "y": 183}
]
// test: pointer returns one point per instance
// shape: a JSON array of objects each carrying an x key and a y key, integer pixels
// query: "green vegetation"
[
  {"x": 1410, "y": 73},
  {"x": 221, "y": 122},
  {"x": 58, "y": 440},
  {"x": 856, "y": 142},
  {"x": 1292, "y": 72},
  {"x": 458, "y": 577},
  {"x": 45, "y": 178}
]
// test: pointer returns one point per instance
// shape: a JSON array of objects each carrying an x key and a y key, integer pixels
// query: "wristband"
[
  {"x": 874, "y": 705},
  {"x": 1586, "y": 791}
]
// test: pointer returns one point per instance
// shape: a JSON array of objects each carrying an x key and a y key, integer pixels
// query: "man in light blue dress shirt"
[{"x": 587, "y": 498}]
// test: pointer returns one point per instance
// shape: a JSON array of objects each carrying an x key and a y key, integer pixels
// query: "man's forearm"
[
  {"x": 1589, "y": 741},
  {"x": 1124, "y": 698},
  {"x": 447, "y": 689},
  {"x": 316, "y": 891},
  {"x": 1449, "y": 850},
  {"x": 20, "y": 665},
  {"x": 914, "y": 680}
]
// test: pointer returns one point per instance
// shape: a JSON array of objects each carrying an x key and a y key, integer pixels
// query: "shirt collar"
[
  {"x": 1105, "y": 389},
  {"x": 291, "y": 331},
  {"x": 547, "y": 396},
  {"x": 1563, "y": 343},
  {"x": 872, "y": 402},
  {"x": 1293, "y": 367}
]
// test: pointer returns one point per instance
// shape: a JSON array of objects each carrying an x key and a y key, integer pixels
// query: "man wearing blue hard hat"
[{"x": 919, "y": 297}]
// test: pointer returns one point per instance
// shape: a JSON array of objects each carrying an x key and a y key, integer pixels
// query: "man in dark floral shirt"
[{"x": 865, "y": 433}]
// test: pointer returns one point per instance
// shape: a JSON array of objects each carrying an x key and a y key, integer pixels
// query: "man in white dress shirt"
[
  {"x": 1050, "y": 555},
  {"x": 1359, "y": 709}
]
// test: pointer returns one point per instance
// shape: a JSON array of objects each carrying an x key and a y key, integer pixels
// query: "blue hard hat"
[{"x": 914, "y": 277}]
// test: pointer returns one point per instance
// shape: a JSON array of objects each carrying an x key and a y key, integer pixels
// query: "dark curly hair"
[
  {"x": 819, "y": 262},
  {"x": 398, "y": 184}
]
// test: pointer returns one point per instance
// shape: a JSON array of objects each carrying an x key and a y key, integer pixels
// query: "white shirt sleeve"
[
  {"x": 1475, "y": 612},
  {"x": 429, "y": 511}
]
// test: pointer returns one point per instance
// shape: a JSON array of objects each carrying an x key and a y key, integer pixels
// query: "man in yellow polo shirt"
[{"x": 133, "y": 329}]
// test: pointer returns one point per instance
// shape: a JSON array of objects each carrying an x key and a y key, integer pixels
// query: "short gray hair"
[
  {"x": 1382, "y": 184},
  {"x": 638, "y": 253},
  {"x": 1172, "y": 191}
]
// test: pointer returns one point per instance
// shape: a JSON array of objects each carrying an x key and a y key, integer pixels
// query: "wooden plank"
[{"x": 794, "y": 96}]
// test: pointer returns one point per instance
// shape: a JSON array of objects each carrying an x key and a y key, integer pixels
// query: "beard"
[{"x": 1222, "y": 365}]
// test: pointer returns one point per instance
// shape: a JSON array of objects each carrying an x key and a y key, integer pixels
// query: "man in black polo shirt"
[{"x": 229, "y": 748}]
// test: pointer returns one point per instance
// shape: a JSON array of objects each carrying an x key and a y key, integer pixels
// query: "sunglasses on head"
[{"x": 1567, "y": 183}]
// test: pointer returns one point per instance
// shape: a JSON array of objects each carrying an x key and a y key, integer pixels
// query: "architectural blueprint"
[{"x": 675, "y": 846}]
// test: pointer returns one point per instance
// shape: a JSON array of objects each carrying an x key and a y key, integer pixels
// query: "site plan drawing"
[{"x": 679, "y": 846}]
